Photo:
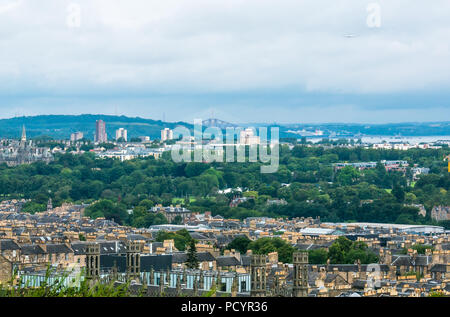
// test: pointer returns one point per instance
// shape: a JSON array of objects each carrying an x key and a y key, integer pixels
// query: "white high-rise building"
[
  {"x": 76, "y": 136},
  {"x": 122, "y": 133},
  {"x": 166, "y": 134},
  {"x": 248, "y": 137}
]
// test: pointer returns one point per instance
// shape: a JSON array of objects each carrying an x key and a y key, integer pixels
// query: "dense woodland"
[{"x": 315, "y": 188}]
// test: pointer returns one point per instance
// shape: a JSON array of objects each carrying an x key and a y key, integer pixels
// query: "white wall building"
[
  {"x": 122, "y": 133},
  {"x": 166, "y": 134},
  {"x": 76, "y": 136},
  {"x": 248, "y": 137}
]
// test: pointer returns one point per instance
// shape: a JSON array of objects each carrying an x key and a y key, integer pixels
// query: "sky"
[{"x": 284, "y": 61}]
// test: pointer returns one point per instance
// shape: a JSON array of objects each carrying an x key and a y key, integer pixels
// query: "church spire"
[{"x": 24, "y": 134}]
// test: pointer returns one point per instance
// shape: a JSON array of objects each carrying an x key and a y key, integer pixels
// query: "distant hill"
[{"x": 61, "y": 126}]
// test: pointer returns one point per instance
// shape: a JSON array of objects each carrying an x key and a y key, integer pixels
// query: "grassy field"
[{"x": 181, "y": 200}]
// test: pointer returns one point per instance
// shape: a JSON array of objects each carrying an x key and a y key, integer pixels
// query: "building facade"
[
  {"x": 166, "y": 134},
  {"x": 76, "y": 136},
  {"x": 122, "y": 133},
  {"x": 100, "y": 132},
  {"x": 248, "y": 137}
]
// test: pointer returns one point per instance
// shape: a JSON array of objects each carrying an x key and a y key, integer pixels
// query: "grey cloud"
[{"x": 209, "y": 46}]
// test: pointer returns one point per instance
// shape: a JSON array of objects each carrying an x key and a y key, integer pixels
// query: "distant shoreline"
[{"x": 387, "y": 138}]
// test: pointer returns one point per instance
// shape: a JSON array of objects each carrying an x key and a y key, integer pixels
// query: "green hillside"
[{"x": 61, "y": 126}]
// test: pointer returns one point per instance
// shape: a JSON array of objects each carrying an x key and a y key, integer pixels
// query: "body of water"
[{"x": 392, "y": 139}]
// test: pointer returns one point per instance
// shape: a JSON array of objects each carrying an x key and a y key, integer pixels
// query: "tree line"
[{"x": 306, "y": 182}]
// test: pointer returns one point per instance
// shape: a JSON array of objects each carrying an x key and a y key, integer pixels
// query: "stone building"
[
  {"x": 258, "y": 273},
  {"x": 14, "y": 152},
  {"x": 6, "y": 270},
  {"x": 172, "y": 212},
  {"x": 440, "y": 213}
]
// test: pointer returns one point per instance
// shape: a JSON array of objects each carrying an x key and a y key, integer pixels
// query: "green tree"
[
  {"x": 348, "y": 175},
  {"x": 181, "y": 238},
  {"x": 192, "y": 259},
  {"x": 108, "y": 210},
  {"x": 240, "y": 244},
  {"x": 268, "y": 245},
  {"x": 318, "y": 256},
  {"x": 177, "y": 220},
  {"x": 33, "y": 207},
  {"x": 344, "y": 251},
  {"x": 398, "y": 193},
  {"x": 195, "y": 169}
]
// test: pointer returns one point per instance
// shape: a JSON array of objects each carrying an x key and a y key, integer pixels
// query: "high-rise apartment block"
[
  {"x": 121, "y": 133},
  {"x": 76, "y": 136},
  {"x": 166, "y": 134},
  {"x": 100, "y": 132},
  {"x": 248, "y": 137}
]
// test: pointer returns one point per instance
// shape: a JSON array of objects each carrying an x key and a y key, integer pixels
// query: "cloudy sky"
[{"x": 238, "y": 60}]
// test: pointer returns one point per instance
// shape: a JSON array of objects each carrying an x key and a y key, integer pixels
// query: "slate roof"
[
  {"x": 111, "y": 247},
  {"x": 407, "y": 260},
  {"x": 330, "y": 277},
  {"x": 88, "y": 229},
  {"x": 8, "y": 245},
  {"x": 311, "y": 246},
  {"x": 79, "y": 248},
  {"x": 104, "y": 223},
  {"x": 181, "y": 257},
  {"x": 350, "y": 294},
  {"x": 359, "y": 284},
  {"x": 133, "y": 236},
  {"x": 107, "y": 262},
  {"x": 199, "y": 236},
  {"x": 227, "y": 261},
  {"x": 160, "y": 262},
  {"x": 245, "y": 260},
  {"x": 343, "y": 267},
  {"x": 32, "y": 249},
  {"x": 312, "y": 277},
  {"x": 348, "y": 267},
  {"x": 439, "y": 268},
  {"x": 383, "y": 267},
  {"x": 58, "y": 249},
  {"x": 223, "y": 240},
  {"x": 446, "y": 246}
]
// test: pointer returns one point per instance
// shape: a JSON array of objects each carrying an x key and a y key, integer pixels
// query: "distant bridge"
[{"x": 218, "y": 123}]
